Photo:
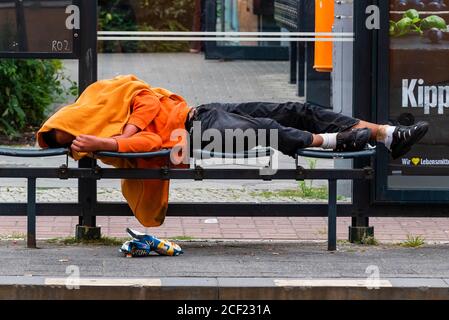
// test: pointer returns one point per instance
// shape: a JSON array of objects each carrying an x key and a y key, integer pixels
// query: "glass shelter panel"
[
  {"x": 419, "y": 91},
  {"x": 30, "y": 26}
]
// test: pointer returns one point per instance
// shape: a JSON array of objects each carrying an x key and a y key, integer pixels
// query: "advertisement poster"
[{"x": 419, "y": 79}]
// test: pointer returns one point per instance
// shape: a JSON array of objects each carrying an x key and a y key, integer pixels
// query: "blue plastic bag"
[{"x": 143, "y": 245}]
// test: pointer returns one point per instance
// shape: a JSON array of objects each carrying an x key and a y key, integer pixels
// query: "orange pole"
[{"x": 324, "y": 21}]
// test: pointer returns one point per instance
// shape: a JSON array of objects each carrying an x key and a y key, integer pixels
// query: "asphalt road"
[{"x": 230, "y": 260}]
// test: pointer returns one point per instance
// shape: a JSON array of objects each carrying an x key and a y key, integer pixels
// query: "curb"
[{"x": 47, "y": 288}]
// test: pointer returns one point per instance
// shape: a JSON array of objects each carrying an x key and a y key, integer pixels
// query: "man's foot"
[
  {"x": 404, "y": 137},
  {"x": 353, "y": 140}
]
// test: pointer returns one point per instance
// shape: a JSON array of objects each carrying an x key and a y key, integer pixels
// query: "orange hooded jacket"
[{"x": 103, "y": 110}]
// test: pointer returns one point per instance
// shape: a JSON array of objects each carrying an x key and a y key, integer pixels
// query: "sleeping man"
[{"x": 125, "y": 114}]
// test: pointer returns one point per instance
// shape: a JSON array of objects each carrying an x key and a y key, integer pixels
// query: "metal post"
[
  {"x": 332, "y": 216},
  {"x": 223, "y": 15},
  {"x": 301, "y": 54},
  {"x": 88, "y": 74},
  {"x": 21, "y": 27},
  {"x": 88, "y": 63},
  {"x": 293, "y": 62},
  {"x": 31, "y": 213},
  {"x": 363, "y": 108},
  {"x": 361, "y": 192}
]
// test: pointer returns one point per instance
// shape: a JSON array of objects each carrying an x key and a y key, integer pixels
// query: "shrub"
[
  {"x": 27, "y": 89},
  {"x": 145, "y": 15},
  {"x": 117, "y": 15},
  {"x": 413, "y": 241}
]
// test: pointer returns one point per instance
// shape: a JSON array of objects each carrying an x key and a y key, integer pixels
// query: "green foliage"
[
  {"x": 306, "y": 189},
  {"x": 145, "y": 15},
  {"x": 103, "y": 241},
  {"x": 413, "y": 241},
  {"x": 304, "y": 192},
  {"x": 115, "y": 16},
  {"x": 27, "y": 89},
  {"x": 164, "y": 46},
  {"x": 369, "y": 241},
  {"x": 182, "y": 238},
  {"x": 411, "y": 23},
  {"x": 310, "y": 192}
]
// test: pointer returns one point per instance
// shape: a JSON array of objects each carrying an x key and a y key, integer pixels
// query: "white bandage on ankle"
[
  {"x": 387, "y": 136},
  {"x": 329, "y": 140}
]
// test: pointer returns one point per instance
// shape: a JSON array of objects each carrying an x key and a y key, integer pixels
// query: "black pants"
[{"x": 295, "y": 122}]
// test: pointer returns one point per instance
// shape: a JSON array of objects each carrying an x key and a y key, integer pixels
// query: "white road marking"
[
  {"x": 356, "y": 283},
  {"x": 105, "y": 282}
]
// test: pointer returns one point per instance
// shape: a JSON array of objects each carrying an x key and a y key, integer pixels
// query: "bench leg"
[
  {"x": 31, "y": 213},
  {"x": 332, "y": 216},
  {"x": 87, "y": 196}
]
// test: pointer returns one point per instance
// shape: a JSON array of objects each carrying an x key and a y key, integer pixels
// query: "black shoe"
[
  {"x": 353, "y": 140},
  {"x": 405, "y": 137}
]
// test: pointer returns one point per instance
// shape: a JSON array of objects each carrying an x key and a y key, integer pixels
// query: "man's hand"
[{"x": 85, "y": 143}]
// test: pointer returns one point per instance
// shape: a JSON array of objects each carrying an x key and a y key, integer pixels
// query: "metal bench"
[{"x": 196, "y": 173}]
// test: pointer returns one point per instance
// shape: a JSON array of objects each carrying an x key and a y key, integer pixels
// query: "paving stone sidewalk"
[
  {"x": 433, "y": 230},
  {"x": 198, "y": 80}
]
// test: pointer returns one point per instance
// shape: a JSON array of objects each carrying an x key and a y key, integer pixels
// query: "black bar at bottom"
[
  {"x": 182, "y": 209},
  {"x": 184, "y": 174},
  {"x": 332, "y": 216},
  {"x": 233, "y": 210},
  {"x": 31, "y": 213}
]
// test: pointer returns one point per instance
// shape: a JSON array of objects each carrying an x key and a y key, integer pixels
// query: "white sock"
[
  {"x": 329, "y": 140},
  {"x": 387, "y": 136}
]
